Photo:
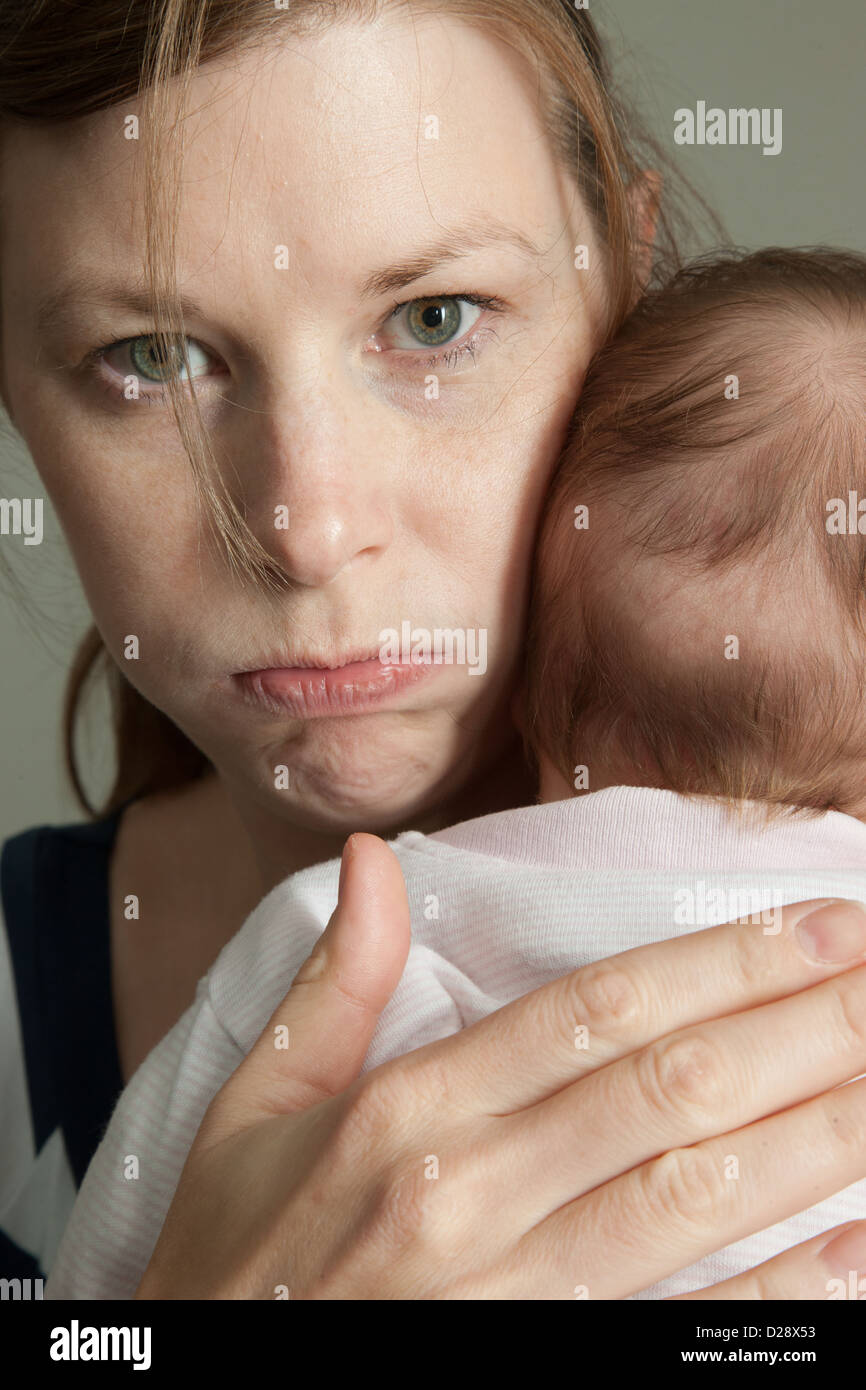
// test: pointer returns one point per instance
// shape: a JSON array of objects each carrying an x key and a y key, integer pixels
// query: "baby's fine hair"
[{"x": 715, "y": 466}]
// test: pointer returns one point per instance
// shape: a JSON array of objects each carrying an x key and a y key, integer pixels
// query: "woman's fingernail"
[
  {"x": 846, "y": 1255},
  {"x": 834, "y": 932}
]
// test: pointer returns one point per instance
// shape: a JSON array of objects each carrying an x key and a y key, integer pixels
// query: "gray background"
[{"x": 805, "y": 57}]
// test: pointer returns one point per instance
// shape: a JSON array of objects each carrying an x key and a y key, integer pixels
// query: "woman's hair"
[
  {"x": 698, "y": 612},
  {"x": 65, "y": 59}
]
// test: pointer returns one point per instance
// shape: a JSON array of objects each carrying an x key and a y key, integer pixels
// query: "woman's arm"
[{"x": 557, "y": 1168}]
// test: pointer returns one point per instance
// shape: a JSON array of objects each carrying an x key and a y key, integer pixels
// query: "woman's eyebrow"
[
  {"x": 61, "y": 306},
  {"x": 454, "y": 243}
]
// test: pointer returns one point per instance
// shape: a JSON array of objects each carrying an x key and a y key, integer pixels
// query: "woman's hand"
[{"x": 507, "y": 1163}]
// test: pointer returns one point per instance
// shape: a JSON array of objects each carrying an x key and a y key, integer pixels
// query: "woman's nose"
[
  {"x": 322, "y": 501},
  {"x": 327, "y": 536}
]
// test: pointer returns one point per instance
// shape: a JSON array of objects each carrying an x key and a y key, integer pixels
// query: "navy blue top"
[{"x": 54, "y": 886}]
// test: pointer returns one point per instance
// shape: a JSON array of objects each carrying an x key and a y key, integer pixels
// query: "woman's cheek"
[
  {"x": 129, "y": 524},
  {"x": 520, "y": 460}
]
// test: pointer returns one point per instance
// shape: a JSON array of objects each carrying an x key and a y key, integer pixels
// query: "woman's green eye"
[
  {"x": 153, "y": 365},
  {"x": 434, "y": 321}
]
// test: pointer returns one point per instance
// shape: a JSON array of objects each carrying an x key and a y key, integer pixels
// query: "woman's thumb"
[{"x": 316, "y": 1040}]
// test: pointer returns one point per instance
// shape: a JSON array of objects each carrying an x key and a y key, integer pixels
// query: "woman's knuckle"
[
  {"x": 686, "y": 1186},
  {"x": 683, "y": 1076},
  {"x": 400, "y": 1208},
  {"x": 410, "y": 1214},
  {"x": 606, "y": 998}
]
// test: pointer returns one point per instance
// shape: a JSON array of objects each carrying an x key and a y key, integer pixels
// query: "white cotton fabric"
[{"x": 499, "y": 906}]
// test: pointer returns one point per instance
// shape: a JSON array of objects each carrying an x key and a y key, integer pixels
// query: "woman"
[{"x": 398, "y": 248}]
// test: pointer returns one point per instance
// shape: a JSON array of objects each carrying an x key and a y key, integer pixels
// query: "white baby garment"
[{"x": 499, "y": 905}]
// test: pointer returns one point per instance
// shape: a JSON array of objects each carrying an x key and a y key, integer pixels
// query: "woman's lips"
[{"x": 314, "y": 692}]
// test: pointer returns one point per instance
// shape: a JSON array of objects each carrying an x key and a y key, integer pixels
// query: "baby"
[
  {"x": 693, "y": 703},
  {"x": 700, "y": 613}
]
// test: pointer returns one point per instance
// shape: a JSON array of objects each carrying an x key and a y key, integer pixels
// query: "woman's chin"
[{"x": 376, "y": 779}]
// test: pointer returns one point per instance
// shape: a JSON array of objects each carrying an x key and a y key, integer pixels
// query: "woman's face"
[{"x": 326, "y": 181}]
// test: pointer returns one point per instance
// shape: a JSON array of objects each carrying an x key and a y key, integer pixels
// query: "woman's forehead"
[
  {"x": 354, "y": 148},
  {"x": 361, "y": 125}
]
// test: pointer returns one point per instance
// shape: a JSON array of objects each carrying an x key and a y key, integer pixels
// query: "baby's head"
[{"x": 699, "y": 611}]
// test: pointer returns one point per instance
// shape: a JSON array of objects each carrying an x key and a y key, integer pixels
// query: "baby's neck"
[{"x": 552, "y": 785}]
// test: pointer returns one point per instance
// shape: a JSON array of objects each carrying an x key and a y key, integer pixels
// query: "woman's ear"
[{"x": 644, "y": 196}]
